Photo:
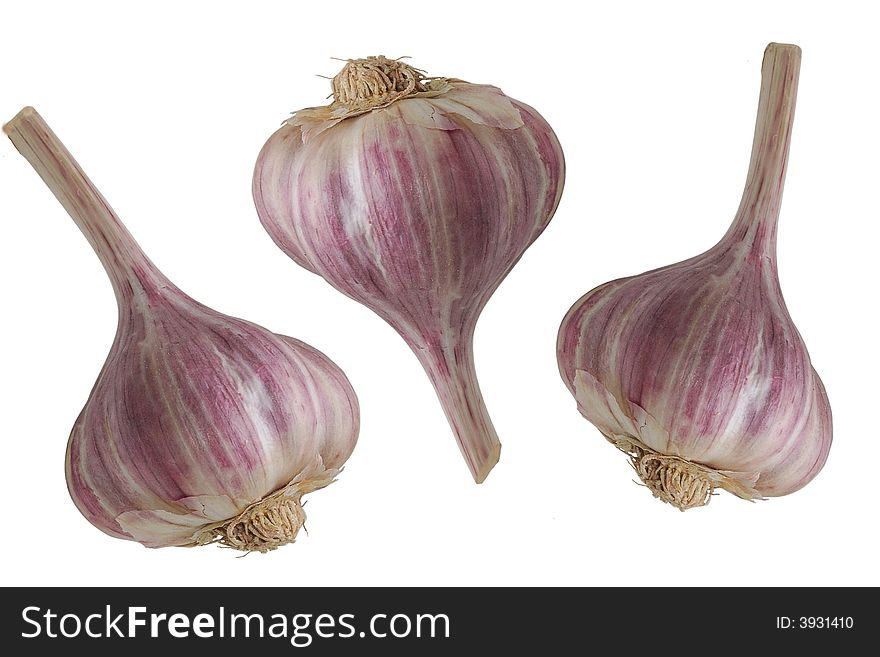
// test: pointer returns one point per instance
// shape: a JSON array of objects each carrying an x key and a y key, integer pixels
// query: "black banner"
[{"x": 407, "y": 621}]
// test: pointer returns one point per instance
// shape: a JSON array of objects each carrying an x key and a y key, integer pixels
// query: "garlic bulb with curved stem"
[
  {"x": 696, "y": 370},
  {"x": 415, "y": 196},
  {"x": 201, "y": 428}
]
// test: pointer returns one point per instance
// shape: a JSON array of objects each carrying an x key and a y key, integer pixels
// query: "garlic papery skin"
[
  {"x": 201, "y": 428},
  {"x": 696, "y": 370},
  {"x": 415, "y": 196}
]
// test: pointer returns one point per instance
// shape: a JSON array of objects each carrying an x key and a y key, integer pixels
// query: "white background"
[{"x": 166, "y": 105}]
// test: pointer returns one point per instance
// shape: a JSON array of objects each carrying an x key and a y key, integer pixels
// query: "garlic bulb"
[
  {"x": 415, "y": 196},
  {"x": 696, "y": 370},
  {"x": 201, "y": 428}
]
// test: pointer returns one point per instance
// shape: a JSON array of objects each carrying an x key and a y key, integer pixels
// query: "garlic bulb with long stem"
[
  {"x": 696, "y": 370},
  {"x": 415, "y": 196},
  {"x": 201, "y": 428}
]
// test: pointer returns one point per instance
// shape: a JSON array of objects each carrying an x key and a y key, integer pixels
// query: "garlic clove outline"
[
  {"x": 696, "y": 370},
  {"x": 415, "y": 196},
  {"x": 201, "y": 428}
]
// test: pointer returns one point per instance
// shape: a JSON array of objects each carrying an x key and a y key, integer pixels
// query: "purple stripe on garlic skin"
[
  {"x": 201, "y": 427},
  {"x": 418, "y": 208},
  {"x": 700, "y": 361}
]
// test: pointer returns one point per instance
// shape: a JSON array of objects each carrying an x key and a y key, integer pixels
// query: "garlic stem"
[
  {"x": 757, "y": 218},
  {"x": 128, "y": 267},
  {"x": 454, "y": 376}
]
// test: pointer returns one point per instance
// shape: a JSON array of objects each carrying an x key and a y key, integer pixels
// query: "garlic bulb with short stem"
[
  {"x": 415, "y": 196},
  {"x": 201, "y": 428},
  {"x": 696, "y": 370}
]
